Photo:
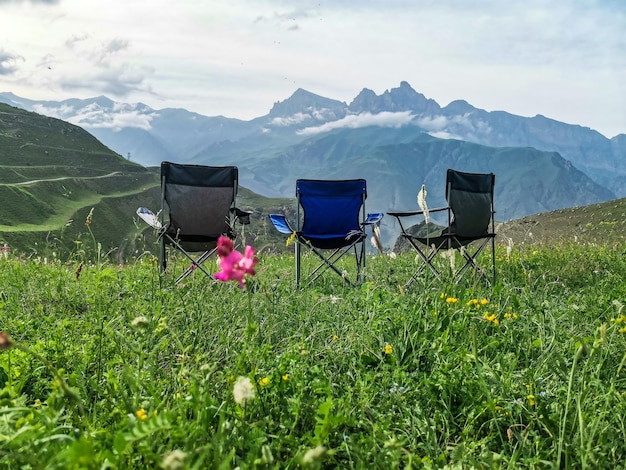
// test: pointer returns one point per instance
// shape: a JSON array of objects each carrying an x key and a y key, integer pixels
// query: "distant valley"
[{"x": 398, "y": 141}]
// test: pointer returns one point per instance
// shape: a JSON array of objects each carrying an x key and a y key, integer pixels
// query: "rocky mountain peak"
[
  {"x": 403, "y": 98},
  {"x": 458, "y": 107},
  {"x": 303, "y": 101}
]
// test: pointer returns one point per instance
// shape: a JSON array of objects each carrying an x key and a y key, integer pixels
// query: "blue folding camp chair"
[{"x": 333, "y": 218}]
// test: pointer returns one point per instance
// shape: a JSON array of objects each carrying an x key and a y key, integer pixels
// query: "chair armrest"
[
  {"x": 373, "y": 218},
  {"x": 280, "y": 223},
  {"x": 243, "y": 217},
  {"x": 412, "y": 213},
  {"x": 149, "y": 217}
]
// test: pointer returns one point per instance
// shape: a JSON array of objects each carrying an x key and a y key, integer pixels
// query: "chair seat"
[
  {"x": 455, "y": 241},
  {"x": 332, "y": 241}
]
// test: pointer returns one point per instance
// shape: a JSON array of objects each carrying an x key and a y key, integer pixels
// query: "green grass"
[{"x": 115, "y": 367}]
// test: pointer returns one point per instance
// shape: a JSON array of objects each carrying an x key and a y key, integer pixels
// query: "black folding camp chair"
[
  {"x": 198, "y": 205},
  {"x": 471, "y": 228},
  {"x": 333, "y": 219}
]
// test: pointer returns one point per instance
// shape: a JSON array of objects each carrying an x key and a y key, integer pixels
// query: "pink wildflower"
[
  {"x": 234, "y": 266},
  {"x": 224, "y": 246},
  {"x": 5, "y": 341}
]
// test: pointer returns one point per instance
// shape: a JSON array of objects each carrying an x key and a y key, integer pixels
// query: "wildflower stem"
[
  {"x": 65, "y": 388},
  {"x": 566, "y": 410}
]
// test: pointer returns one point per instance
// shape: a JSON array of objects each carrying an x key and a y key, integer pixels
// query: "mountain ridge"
[
  {"x": 55, "y": 171},
  {"x": 305, "y": 123}
]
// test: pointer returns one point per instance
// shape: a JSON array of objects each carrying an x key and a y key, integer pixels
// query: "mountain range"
[{"x": 397, "y": 140}]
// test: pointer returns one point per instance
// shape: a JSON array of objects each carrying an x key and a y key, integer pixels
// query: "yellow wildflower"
[
  {"x": 620, "y": 319},
  {"x": 491, "y": 318},
  {"x": 335, "y": 337},
  {"x": 286, "y": 377},
  {"x": 443, "y": 295},
  {"x": 388, "y": 349},
  {"x": 472, "y": 302},
  {"x": 531, "y": 400},
  {"x": 451, "y": 300},
  {"x": 264, "y": 381},
  {"x": 291, "y": 239},
  {"x": 484, "y": 301},
  {"x": 141, "y": 414}
]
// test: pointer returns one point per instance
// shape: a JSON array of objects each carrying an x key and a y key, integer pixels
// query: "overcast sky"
[{"x": 565, "y": 59}]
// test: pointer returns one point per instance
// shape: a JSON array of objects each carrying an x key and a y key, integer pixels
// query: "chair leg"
[
  {"x": 493, "y": 258},
  {"x": 162, "y": 256},
  {"x": 196, "y": 264},
  {"x": 426, "y": 262},
  {"x": 470, "y": 262},
  {"x": 329, "y": 263},
  {"x": 297, "y": 255},
  {"x": 359, "y": 257}
]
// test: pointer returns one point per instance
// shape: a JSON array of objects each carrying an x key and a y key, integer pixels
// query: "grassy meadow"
[{"x": 107, "y": 366}]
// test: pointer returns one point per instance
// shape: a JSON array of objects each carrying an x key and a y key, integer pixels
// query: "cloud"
[
  {"x": 564, "y": 60},
  {"x": 461, "y": 126},
  {"x": 445, "y": 135},
  {"x": 432, "y": 123},
  {"x": 355, "y": 121},
  {"x": 103, "y": 67},
  {"x": 109, "y": 49},
  {"x": 290, "y": 120},
  {"x": 119, "y": 81},
  {"x": 94, "y": 116},
  {"x": 8, "y": 62},
  {"x": 34, "y": 2},
  {"x": 75, "y": 39}
]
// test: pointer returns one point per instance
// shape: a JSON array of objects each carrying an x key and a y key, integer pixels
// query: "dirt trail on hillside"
[{"x": 24, "y": 183}]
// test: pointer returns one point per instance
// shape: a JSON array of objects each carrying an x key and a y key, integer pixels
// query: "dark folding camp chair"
[
  {"x": 198, "y": 205},
  {"x": 470, "y": 227},
  {"x": 333, "y": 218}
]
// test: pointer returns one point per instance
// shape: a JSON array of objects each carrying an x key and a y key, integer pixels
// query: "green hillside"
[
  {"x": 53, "y": 174},
  {"x": 599, "y": 224}
]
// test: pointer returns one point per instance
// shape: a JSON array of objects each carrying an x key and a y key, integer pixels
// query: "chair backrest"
[
  {"x": 198, "y": 200},
  {"x": 470, "y": 197},
  {"x": 331, "y": 208}
]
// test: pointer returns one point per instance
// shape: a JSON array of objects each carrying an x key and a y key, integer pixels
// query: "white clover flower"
[
  {"x": 313, "y": 454},
  {"x": 243, "y": 390},
  {"x": 140, "y": 323},
  {"x": 175, "y": 460}
]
